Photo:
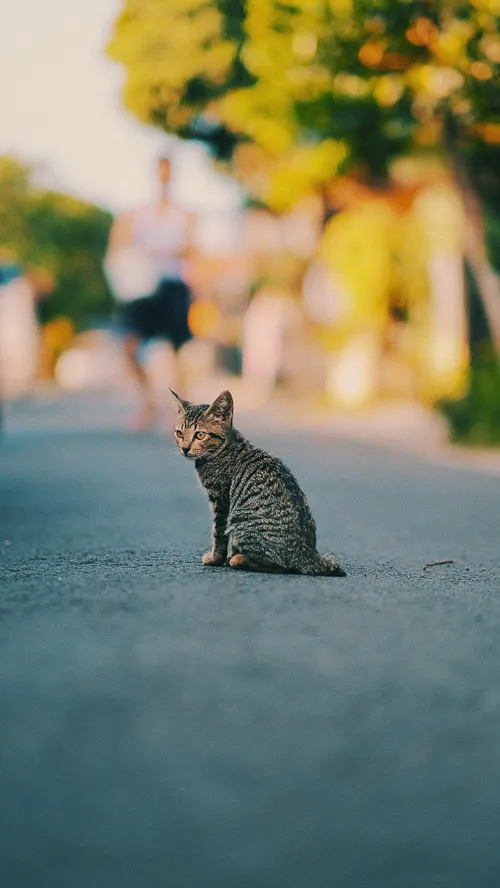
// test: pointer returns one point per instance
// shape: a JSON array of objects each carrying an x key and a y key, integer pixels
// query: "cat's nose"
[{"x": 185, "y": 450}]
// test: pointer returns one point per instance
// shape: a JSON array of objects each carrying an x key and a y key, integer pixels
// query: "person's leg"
[
  {"x": 174, "y": 299},
  {"x": 178, "y": 373},
  {"x": 148, "y": 410}
]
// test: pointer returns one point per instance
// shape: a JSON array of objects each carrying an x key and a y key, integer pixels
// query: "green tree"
[
  {"x": 298, "y": 89},
  {"x": 378, "y": 78},
  {"x": 381, "y": 79},
  {"x": 62, "y": 235},
  {"x": 180, "y": 58}
]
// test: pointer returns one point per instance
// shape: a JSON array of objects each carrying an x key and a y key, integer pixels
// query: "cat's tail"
[{"x": 323, "y": 566}]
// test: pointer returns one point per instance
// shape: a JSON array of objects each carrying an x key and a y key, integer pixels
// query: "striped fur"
[{"x": 262, "y": 520}]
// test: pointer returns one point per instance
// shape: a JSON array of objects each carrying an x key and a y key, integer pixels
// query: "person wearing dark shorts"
[
  {"x": 164, "y": 315},
  {"x": 153, "y": 297}
]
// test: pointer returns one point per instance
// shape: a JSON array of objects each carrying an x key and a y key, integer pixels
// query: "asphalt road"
[{"x": 165, "y": 724}]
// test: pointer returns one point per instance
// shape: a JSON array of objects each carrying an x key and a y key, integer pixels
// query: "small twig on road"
[{"x": 435, "y": 563}]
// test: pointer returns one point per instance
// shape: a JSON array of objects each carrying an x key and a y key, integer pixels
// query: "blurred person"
[
  {"x": 272, "y": 319},
  {"x": 146, "y": 266},
  {"x": 272, "y": 314},
  {"x": 19, "y": 336}
]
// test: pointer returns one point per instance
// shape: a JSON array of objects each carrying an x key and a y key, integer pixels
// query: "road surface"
[{"x": 165, "y": 724}]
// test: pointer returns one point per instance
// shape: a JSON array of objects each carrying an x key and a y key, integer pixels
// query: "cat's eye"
[
  {"x": 178, "y": 433},
  {"x": 200, "y": 435}
]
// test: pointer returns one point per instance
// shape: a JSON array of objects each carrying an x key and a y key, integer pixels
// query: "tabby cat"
[{"x": 262, "y": 520}]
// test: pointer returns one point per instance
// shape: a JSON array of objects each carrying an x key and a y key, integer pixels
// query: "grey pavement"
[{"x": 165, "y": 724}]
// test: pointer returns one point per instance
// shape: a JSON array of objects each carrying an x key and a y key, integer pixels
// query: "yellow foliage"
[
  {"x": 163, "y": 45},
  {"x": 262, "y": 116},
  {"x": 434, "y": 81},
  {"x": 341, "y": 7},
  {"x": 351, "y": 85},
  {"x": 450, "y": 45},
  {"x": 388, "y": 89},
  {"x": 305, "y": 44},
  {"x": 492, "y": 6},
  {"x": 442, "y": 213},
  {"x": 300, "y": 53},
  {"x": 304, "y": 169},
  {"x": 357, "y": 247},
  {"x": 490, "y": 45}
]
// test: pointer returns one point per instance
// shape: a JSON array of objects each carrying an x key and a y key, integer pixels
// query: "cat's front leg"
[{"x": 218, "y": 556}]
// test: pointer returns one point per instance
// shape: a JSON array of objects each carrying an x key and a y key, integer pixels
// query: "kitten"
[{"x": 262, "y": 519}]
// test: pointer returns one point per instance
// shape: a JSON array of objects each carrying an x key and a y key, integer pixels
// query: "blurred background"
[{"x": 342, "y": 160}]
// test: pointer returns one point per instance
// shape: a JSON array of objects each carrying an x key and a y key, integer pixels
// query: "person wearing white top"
[{"x": 145, "y": 266}]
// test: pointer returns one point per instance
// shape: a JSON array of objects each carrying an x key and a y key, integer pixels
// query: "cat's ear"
[
  {"x": 181, "y": 405},
  {"x": 222, "y": 407}
]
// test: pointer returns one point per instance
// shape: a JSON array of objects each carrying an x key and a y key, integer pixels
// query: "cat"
[{"x": 261, "y": 518}]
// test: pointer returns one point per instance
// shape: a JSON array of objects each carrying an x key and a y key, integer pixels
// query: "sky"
[{"x": 60, "y": 107}]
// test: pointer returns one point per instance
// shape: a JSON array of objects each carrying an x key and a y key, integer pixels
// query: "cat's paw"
[
  {"x": 211, "y": 560},
  {"x": 239, "y": 561}
]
